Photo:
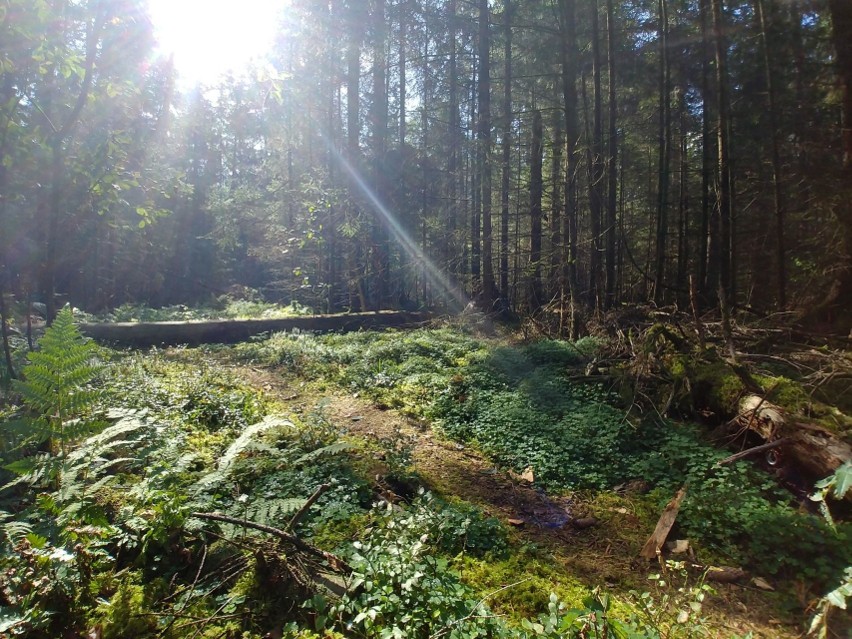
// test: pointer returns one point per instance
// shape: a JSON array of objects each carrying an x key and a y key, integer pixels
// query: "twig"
[
  {"x": 191, "y": 592},
  {"x": 307, "y": 506},
  {"x": 752, "y": 451},
  {"x": 204, "y": 622},
  {"x": 334, "y": 561},
  {"x": 476, "y": 606}
]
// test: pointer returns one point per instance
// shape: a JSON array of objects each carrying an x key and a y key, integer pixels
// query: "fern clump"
[{"x": 57, "y": 386}]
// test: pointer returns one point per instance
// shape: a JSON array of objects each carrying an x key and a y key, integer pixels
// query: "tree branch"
[{"x": 334, "y": 561}]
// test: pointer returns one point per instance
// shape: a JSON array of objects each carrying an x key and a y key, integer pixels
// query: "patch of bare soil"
[{"x": 597, "y": 543}]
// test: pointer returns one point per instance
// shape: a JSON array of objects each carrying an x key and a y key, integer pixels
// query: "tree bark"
[
  {"x": 489, "y": 288},
  {"x": 612, "y": 162},
  {"x": 597, "y": 166},
  {"x": 777, "y": 177},
  {"x": 506, "y": 149},
  {"x": 379, "y": 122},
  {"x": 557, "y": 179},
  {"x": 664, "y": 166},
  {"x": 708, "y": 228},
  {"x": 568, "y": 52},
  {"x": 725, "y": 282},
  {"x": 536, "y": 189},
  {"x": 403, "y": 36},
  {"x": 832, "y": 308},
  {"x": 453, "y": 132}
]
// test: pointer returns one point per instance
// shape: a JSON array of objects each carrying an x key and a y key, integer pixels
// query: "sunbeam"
[{"x": 436, "y": 277}]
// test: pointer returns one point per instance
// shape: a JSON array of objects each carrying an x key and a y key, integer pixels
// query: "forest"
[{"x": 443, "y": 318}]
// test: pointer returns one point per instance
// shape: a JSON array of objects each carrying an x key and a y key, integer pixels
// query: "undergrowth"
[
  {"x": 109, "y": 534},
  {"x": 529, "y": 406}
]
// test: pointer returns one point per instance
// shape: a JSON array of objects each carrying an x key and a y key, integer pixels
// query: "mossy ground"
[
  {"x": 395, "y": 398},
  {"x": 568, "y": 562}
]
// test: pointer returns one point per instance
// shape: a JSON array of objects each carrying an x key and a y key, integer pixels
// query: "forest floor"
[{"x": 583, "y": 538}]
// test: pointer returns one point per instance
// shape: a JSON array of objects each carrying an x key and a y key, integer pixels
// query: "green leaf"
[{"x": 843, "y": 480}]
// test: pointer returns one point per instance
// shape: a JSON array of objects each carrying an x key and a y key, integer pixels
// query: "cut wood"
[
  {"x": 763, "y": 417},
  {"x": 142, "y": 334},
  {"x": 664, "y": 526},
  {"x": 811, "y": 449},
  {"x": 725, "y": 574}
]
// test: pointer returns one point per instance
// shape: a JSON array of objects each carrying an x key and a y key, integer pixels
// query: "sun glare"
[{"x": 211, "y": 37}]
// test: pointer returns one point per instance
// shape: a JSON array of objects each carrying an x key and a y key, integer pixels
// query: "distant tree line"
[{"x": 537, "y": 156}]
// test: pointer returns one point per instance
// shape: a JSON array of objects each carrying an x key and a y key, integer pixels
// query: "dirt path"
[
  {"x": 594, "y": 542},
  {"x": 447, "y": 467}
]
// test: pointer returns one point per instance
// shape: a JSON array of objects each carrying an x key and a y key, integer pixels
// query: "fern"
[
  {"x": 57, "y": 383},
  {"x": 14, "y": 531},
  {"x": 331, "y": 449},
  {"x": 245, "y": 442},
  {"x": 272, "y": 512}
]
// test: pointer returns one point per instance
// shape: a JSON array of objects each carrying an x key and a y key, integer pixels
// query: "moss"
[
  {"x": 530, "y": 580},
  {"x": 715, "y": 387},
  {"x": 337, "y": 534},
  {"x": 124, "y": 614},
  {"x": 786, "y": 393}
]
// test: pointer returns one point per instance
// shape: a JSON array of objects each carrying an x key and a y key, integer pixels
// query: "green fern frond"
[
  {"x": 332, "y": 449},
  {"x": 56, "y": 387},
  {"x": 245, "y": 442},
  {"x": 14, "y": 531},
  {"x": 273, "y": 512}
]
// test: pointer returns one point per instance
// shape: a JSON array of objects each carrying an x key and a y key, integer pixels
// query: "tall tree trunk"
[
  {"x": 476, "y": 201},
  {"x": 777, "y": 177},
  {"x": 597, "y": 166},
  {"x": 353, "y": 145},
  {"x": 612, "y": 161},
  {"x": 557, "y": 179},
  {"x": 506, "y": 148},
  {"x": 379, "y": 122},
  {"x": 453, "y": 131},
  {"x": 536, "y": 189},
  {"x": 9, "y": 110},
  {"x": 841, "y": 290},
  {"x": 664, "y": 168},
  {"x": 725, "y": 284},
  {"x": 403, "y": 36},
  {"x": 489, "y": 288},
  {"x": 568, "y": 53},
  {"x": 708, "y": 230},
  {"x": 683, "y": 248}
]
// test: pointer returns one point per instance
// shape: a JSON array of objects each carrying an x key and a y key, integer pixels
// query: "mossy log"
[{"x": 142, "y": 334}]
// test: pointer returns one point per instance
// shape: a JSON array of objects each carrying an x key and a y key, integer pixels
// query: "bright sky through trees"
[{"x": 211, "y": 37}]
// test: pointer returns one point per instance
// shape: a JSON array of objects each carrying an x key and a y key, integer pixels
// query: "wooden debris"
[
  {"x": 516, "y": 522},
  {"x": 140, "y": 334},
  {"x": 664, "y": 526},
  {"x": 725, "y": 574},
  {"x": 762, "y": 417},
  {"x": 752, "y": 451},
  {"x": 762, "y": 584},
  {"x": 585, "y": 522}
]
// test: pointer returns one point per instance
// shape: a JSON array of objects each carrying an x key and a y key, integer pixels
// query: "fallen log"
[
  {"x": 812, "y": 449},
  {"x": 142, "y": 334}
]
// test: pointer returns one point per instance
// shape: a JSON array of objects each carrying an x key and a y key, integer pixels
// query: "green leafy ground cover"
[
  {"x": 523, "y": 406},
  {"x": 98, "y": 535}
]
